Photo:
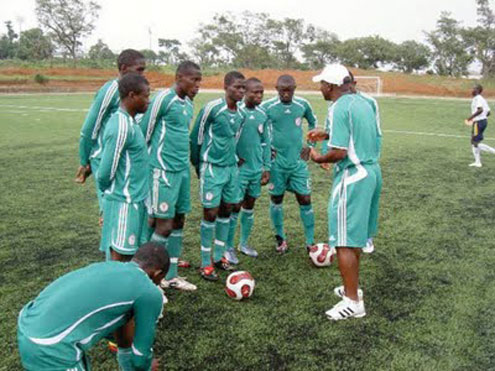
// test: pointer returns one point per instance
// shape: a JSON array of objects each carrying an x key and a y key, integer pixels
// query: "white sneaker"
[
  {"x": 475, "y": 164},
  {"x": 370, "y": 247},
  {"x": 346, "y": 308},
  {"x": 178, "y": 283},
  {"x": 339, "y": 291}
]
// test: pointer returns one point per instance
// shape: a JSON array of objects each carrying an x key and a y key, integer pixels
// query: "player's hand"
[
  {"x": 326, "y": 166},
  {"x": 305, "y": 153},
  {"x": 317, "y": 135},
  {"x": 468, "y": 122},
  {"x": 265, "y": 178},
  {"x": 314, "y": 154},
  {"x": 240, "y": 162},
  {"x": 155, "y": 365},
  {"x": 83, "y": 172}
]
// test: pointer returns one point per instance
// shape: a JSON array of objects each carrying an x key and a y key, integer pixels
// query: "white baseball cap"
[{"x": 333, "y": 74}]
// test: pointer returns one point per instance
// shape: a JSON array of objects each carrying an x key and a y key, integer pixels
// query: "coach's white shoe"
[
  {"x": 178, "y": 283},
  {"x": 370, "y": 246},
  {"x": 346, "y": 308},
  {"x": 339, "y": 291},
  {"x": 475, "y": 164}
]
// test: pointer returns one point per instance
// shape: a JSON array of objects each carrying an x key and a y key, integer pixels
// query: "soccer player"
[
  {"x": 479, "y": 113},
  {"x": 123, "y": 175},
  {"x": 354, "y": 147},
  {"x": 289, "y": 170},
  {"x": 213, "y": 154},
  {"x": 253, "y": 150},
  {"x": 166, "y": 129},
  {"x": 55, "y": 330},
  {"x": 105, "y": 104}
]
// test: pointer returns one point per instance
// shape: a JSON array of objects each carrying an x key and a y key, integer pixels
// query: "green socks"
[
  {"x": 308, "y": 220},
  {"x": 174, "y": 249},
  {"x": 124, "y": 358},
  {"x": 232, "y": 227},
  {"x": 207, "y": 231},
  {"x": 277, "y": 216},
  {"x": 221, "y": 235},
  {"x": 158, "y": 238},
  {"x": 247, "y": 221}
]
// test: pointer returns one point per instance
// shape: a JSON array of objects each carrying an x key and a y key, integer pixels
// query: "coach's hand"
[
  {"x": 155, "y": 365},
  {"x": 305, "y": 153},
  {"x": 317, "y": 135},
  {"x": 265, "y": 178},
  {"x": 326, "y": 166},
  {"x": 82, "y": 174},
  {"x": 468, "y": 122}
]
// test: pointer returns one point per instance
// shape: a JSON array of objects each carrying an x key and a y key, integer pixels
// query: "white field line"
[
  {"x": 423, "y": 133},
  {"x": 44, "y": 108}
]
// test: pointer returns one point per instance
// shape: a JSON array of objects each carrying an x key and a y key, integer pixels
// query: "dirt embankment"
[{"x": 13, "y": 79}]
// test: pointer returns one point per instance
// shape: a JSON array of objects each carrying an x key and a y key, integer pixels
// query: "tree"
[
  {"x": 101, "y": 51},
  {"x": 366, "y": 52},
  {"x": 33, "y": 44},
  {"x": 150, "y": 56},
  {"x": 450, "y": 53},
  {"x": 68, "y": 21},
  {"x": 172, "y": 53},
  {"x": 322, "y": 48},
  {"x": 288, "y": 37},
  {"x": 8, "y": 43},
  {"x": 412, "y": 56}
]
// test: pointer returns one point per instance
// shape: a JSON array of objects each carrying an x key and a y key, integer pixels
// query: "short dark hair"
[
  {"x": 129, "y": 57},
  {"x": 286, "y": 79},
  {"x": 131, "y": 82},
  {"x": 231, "y": 76},
  {"x": 252, "y": 81},
  {"x": 479, "y": 88},
  {"x": 152, "y": 255},
  {"x": 187, "y": 66}
]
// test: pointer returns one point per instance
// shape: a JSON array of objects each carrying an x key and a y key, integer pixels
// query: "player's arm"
[
  {"x": 151, "y": 117},
  {"x": 197, "y": 137},
  {"x": 478, "y": 112},
  {"x": 147, "y": 309},
  {"x": 310, "y": 116},
  {"x": 114, "y": 140}
]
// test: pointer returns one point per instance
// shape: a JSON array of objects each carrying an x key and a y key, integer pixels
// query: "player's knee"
[
  {"x": 236, "y": 208},
  {"x": 179, "y": 221},
  {"x": 164, "y": 227},
  {"x": 225, "y": 210},
  {"x": 303, "y": 199},
  {"x": 248, "y": 203},
  {"x": 210, "y": 215},
  {"x": 277, "y": 199}
]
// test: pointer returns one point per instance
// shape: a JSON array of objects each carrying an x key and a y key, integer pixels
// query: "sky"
[{"x": 127, "y": 24}]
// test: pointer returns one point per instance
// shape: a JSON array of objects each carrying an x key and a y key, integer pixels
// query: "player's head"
[
  {"x": 254, "y": 92},
  {"x": 477, "y": 89},
  {"x": 153, "y": 259},
  {"x": 134, "y": 92},
  {"x": 334, "y": 81},
  {"x": 188, "y": 78},
  {"x": 131, "y": 60},
  {"x": 286, "y": 86},
  {"x": 235, "y": 85}
]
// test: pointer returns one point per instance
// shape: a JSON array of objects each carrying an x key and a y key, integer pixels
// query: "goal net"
[{"x": 369, "y": 84}]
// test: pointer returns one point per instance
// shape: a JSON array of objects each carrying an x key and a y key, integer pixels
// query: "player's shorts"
[
  {"x": 353, "y": 206},
  {"x": 123, "y": 226},
  {"x": 477, "y": 130},
  {"x": 95, "y": 164},
  {"x": 295, "y": 180},
  {"x": 249, "y": 184},
  {"x": 218, "y": 183},
  {"x": 36, "y": 357},
  {"x": 170, "y": 193}
]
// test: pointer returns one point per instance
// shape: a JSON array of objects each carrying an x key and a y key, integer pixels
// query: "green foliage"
[
  {"x": 101, "y": 51},
  {"x": 150, "y": 56},
  {"x": 321, "y": 48},
  {"x": 412, "y": 56},
  {"x": 171, "y": 53},
  {"x": 8, "y": 43},
  {"x": 366, "y": 52},
  {"x": 33, "y": 44},
  {"x": 41, "y": 79}
]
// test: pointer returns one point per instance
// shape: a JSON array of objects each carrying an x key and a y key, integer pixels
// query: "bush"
[{"x": 41, "y": 79}]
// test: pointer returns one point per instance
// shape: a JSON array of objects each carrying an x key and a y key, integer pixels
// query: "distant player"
[
  {"x": 253, "y": 150},
  {"x": 166, "y": 129},
  {"x": 354, "y": 147},
  {"x": 478, "y": 119},
  {"x": 289, "y": 170},
  {"x": 105, "y": 103},
  {"x": 123, "y": 175},
  {"x": 77, "y": 310},
  {"x": 213, "y": 154}
]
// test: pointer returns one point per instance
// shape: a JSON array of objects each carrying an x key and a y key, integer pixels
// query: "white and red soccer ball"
[
  {"x": 322, "y": 255},
  {"x": 239, "y": 285}
]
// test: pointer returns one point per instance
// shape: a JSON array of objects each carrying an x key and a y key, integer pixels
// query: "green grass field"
[{"x": 428, "y": 287}]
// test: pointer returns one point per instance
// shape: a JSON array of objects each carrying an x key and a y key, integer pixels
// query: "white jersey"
[{"x": 480, "y": 102}]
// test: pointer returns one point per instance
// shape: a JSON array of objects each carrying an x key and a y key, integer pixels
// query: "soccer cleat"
[
  {"x": 208, "y": 273},
  {"x": 247, "y": 250},
  {"x": 308, "y": 248},
  {"x": 370, "y": 246},
  {"x": 224, "y": 265},
  {"x": 346, "y": 308},
  {"x": 178, "y": 283},
  {"x": 339, "y": 291},
  {"x": 282, "y": 246},
  {"x": 231, "y": 256},
  {"x": 183, "y": 264},
  {"x": 475, "y": 164}
]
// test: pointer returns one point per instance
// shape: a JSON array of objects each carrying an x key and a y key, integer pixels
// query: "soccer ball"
[
  {"x": 239, "y": 285},
  {"x": 322, "y": 255}
]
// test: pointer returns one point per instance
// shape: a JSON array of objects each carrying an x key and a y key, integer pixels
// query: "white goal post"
[{"x": 369, "y": 84}]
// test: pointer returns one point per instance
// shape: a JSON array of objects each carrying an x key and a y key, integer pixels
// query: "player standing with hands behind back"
[{"x": 478, "y": 120}]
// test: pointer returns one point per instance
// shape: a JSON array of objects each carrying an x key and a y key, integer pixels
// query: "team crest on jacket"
[
  {"x": 163, "y": 207},
  {"x": 132, "y": 239},
  {"x": 260, "y": 128},
  {"x": 209, "y": 196},
  {"x": 298, "y": 121},
  {"x": 271, "y": 186}
]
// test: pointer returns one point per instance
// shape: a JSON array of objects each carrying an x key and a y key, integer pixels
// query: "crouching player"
[
  {"x": 253, "y": 150},
  {"x": 354, "y": 146},
  {"x": 73, "y": 313},
  {"x": 124, "y": 172}
]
